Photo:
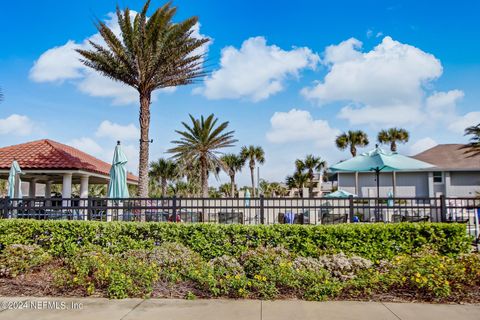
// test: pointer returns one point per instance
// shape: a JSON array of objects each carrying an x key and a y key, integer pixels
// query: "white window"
[{"x": 438, "y": 177}]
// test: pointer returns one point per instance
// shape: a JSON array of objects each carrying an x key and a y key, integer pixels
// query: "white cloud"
[
  {"x": 87, "y": 145},
  {"x": 345, "y": 51},
  {"x": 443, "y": 104},
  {"x": 16, "y": 124},
  {"x": 299, "y": 125},
  {"x": 118, "y": 132},
  {"x": 390, "y": 77},
  {"x": 62, "y": 63},
  {"x": 422, "y": 145},
  {"x": 387, "y": 115},
  {"x": 459, "y": 124},
  {"x": 256, "y": 70}
]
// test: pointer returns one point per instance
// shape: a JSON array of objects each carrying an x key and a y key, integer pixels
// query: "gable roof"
[
  {"x": 51, "y": 155},
  {"x": 450, "y": 156}
]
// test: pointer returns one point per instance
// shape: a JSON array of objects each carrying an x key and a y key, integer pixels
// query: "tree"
[
  {"x": 352, "y": 139},
  {"x": 297, "y": 181},
  {"x": 200, "y": 142},
  {"x": 473, "y": 147},
  {"x": 225, "y": 189},
  {"x": 232, "y": 163},
  {"x": 152, "y": 53},
  {"x": 162, "y": 171},
  {"x": 272, "y": 189},
  {"x": 1, "y": 95},
  {"x": 392, "y": 136},
  {"x": 308, "y": 166},
  {"x": 254, "y": 154}
]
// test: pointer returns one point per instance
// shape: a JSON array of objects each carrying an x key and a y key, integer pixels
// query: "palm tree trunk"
[
  {"x": 393, "y": 146},
  {"x": 204, "y": 177},
  {"x": 353, "y": 150},
  {"x": 252, "y": 175},
  {"x": 164, "y": 187},
  {"x": 144, "y": 144},
  {"x": 232, "y": 185}
]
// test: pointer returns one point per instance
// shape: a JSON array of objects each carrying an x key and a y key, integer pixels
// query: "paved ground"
[{"x": 96, "y": 308}]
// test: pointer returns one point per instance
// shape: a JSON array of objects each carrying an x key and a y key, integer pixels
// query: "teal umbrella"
[
  {"x": 380, "y": 160},
  {"x": 12, "y": 176},
  {"x": 117, "y": 188},
  {"x": 340, "y": 194}
]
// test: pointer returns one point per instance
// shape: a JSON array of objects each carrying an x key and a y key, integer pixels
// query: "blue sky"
[{"x": 287, "y": 77}]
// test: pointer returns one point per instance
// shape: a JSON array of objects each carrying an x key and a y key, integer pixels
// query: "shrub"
[
  {"x": 19, "y": 258},
  {"x": 121, "y": 275},
  {"x": 371, "y": 241}
]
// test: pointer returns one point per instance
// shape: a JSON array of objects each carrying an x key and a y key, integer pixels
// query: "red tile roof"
[{"x": 51, "y": 155}]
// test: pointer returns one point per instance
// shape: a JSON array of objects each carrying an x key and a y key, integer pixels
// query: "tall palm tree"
[
  {"x": 233, "y": 163},
  {"x": 392, "y": 136},
  {"x": 163, "y": 171},
  {"x": 310, "y": 165},
  {"x": 200, "y": 142},
  {"x": 473, "y": 147},
  {"x": 352, "y": 139},
  {"x": 297, "y": 181},
  {"x": 254, "y": 154},
  {"x": 152, "y": 53}
]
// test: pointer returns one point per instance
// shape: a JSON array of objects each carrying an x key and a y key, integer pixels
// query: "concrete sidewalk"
[{"x": 169, "y": 309}]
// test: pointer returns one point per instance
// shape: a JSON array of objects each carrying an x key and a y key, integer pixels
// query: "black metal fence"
[{"x": 250, "y": 210}]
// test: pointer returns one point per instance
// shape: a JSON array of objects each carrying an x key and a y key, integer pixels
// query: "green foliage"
[
  {"x": 16, "y": 259},
  {"x": 427, "y": 273},
  {"x": 371, "y": 241},
  {"x": 120, "y": 275}
]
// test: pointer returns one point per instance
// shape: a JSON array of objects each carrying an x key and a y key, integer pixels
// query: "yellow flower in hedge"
[
  {"x": 282, "y": 264},
  {"x": 241, "y": 291},
  {"x": 404, "y": 279},
  {"x": 290, "y": 264},
  {"x": 249, "y": 283},
  {"x": 227, "y": 276},
  {"x": 264, "y": 278},
  {"x": 418, "y": 275},
  {"x": 75, "y": 279},
  {"x": 447, "y": 283},
  {"x": 237, "y": 277},
  {"x": 417, "y": 280}
]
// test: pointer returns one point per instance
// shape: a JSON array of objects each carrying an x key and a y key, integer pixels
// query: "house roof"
[
  {"x": 51, "y": 155},
  {"x": 449, "y": 156}
]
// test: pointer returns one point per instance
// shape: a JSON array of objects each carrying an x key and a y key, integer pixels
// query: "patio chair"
[
  {"x": 334, "y": 218},
  {"x": 230, "y": 217}
]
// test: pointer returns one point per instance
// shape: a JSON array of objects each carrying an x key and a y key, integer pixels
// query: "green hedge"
[{"x": 372, "y": 241}]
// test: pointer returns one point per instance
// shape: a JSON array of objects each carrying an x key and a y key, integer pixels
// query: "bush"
[
  {"x": 19, "y": 258},
  {"x": 120, "y": 275},
  {"x": 427, "y": 274},
  {"x": 371, "y": 241}
]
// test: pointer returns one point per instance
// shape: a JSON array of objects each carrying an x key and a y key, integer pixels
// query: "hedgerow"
[{"x": 371, "y": 241}]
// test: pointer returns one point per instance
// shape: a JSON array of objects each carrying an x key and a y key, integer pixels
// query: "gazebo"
[{"x": 49, "y": 162}]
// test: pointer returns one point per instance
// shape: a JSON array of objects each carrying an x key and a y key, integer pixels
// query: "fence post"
[
  {"x": 6, "y": 201},
  {"x": 443, "y": 208},
  {"x": 89, "y": 208},
  {"x": 350, "y": 207},
  {"x": 174, "y": 208},
  {"x": 262, "y": 213}
]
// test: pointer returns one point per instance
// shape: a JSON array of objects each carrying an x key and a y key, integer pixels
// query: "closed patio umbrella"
[
  {"x": 13, "y": 179},
  {"x": 117, "y": 188},
  {"x": 378, "y": 160}
]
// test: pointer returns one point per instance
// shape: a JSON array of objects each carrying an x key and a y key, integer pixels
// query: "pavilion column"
[
  {"x": 48, "y": 189},
  {"x": 83, "y": 195},
  {"x": 32, "y": 188},
  {"x": 357, "y": 191},
  {"x": 394, "y": 182},
  {"x": 66, "y": 189},
  {"x": 84, "y": 186}
]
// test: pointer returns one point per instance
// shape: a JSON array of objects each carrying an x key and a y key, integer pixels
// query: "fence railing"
[{"x": 249, "y": 210}]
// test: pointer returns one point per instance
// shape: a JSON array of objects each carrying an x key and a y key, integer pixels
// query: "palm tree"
[
  {"x": 297, "y": 181},
  {"x": 1, "y": 95},
  {"x": 200, "y": 142},
  {"x": 392, "y": 136},
  {"x": 233, "y": 163},
  {"x": 162, "y": 171},
  {"x": 473, "y": 147},
  {"x": 253, "y": 154},
  {"x": 226, "y": 190},
  {"x": 310, "y": 165},
  {"x": 152, "y": 53},
  {"x": 352, "y": 139}
]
